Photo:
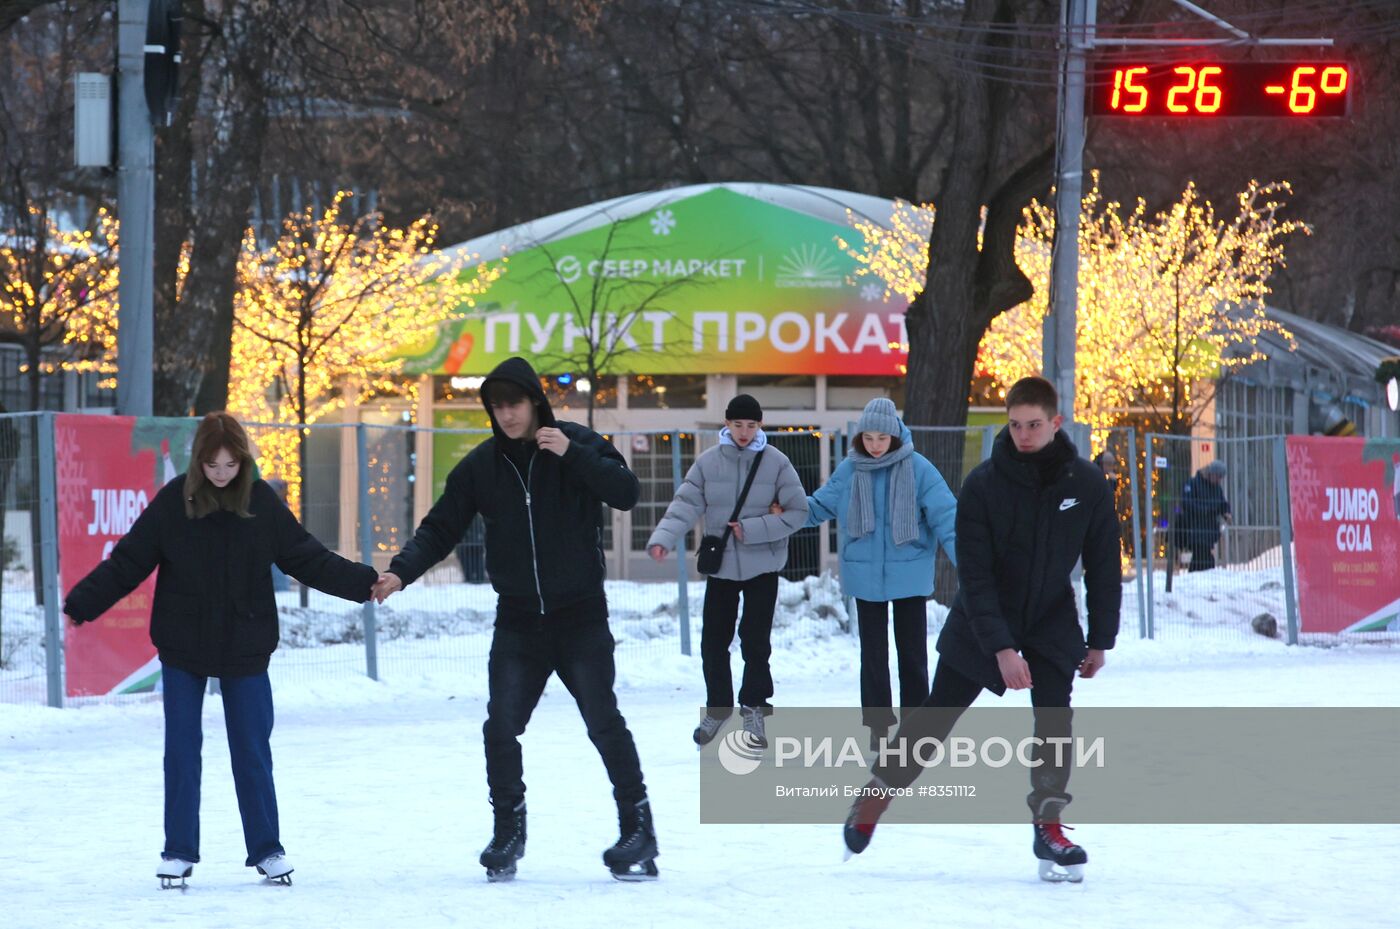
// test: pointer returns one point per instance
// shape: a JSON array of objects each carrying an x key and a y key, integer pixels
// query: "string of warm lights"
[
  {"x": 896, "y": 254},
  {"x": 321, "y": 314},
  {"x": 1166, "y": 301},
  {"x": 60, "y": 286}
]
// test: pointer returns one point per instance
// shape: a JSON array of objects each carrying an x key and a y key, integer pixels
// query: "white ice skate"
[
  {"x": 172, "y": 870},
  {"x": 276, "y": 868}
]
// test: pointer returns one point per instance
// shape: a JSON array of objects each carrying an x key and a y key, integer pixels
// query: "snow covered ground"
[{"x": 384, "y": 809}]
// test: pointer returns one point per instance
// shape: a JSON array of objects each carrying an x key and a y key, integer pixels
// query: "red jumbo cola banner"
[
  {"x": 109, "y": 468},
  {"x": 1345, "y": 500}
]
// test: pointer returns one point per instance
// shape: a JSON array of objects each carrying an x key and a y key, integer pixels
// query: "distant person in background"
[
  {"x": 213, "y": 532},
  {"x": 1108, "y": 464},
  {"x": 1203, "y": 509}
]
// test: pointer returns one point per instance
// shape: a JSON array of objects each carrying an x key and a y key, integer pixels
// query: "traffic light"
[{"x": 162, "y": 59}]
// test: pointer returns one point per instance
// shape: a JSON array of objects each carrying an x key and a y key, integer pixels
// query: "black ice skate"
[
  {"x": 1060, "y": 859},
  {"x": 633, "y": 858},
  {"x": 172, "y": 870},
  {"x": 507, "y": 844},
  {"x": 866, "y": 811}
]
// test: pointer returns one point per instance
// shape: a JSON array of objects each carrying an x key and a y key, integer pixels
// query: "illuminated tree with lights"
[
  {"x": 1169, "y": 303},
  {"x": 895, "y": 254},
  {"x": 320, "y": 314},
  {"x": 58, "y": 294}
]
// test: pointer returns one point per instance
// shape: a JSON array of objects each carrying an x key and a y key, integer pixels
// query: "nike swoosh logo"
[{"x": 1067, "y": 503}]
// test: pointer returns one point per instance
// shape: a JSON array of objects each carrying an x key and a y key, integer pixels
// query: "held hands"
[
  {"x": 552, "y": 440},
  {"x": 657, "y": 553},
  {"x": 387, "y": 584},
  {"x": 1091, "y": 663},
  {"x": 1015, "y": 673}
]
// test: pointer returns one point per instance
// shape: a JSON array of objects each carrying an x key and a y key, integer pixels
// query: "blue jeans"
[
  {"x": 248, "y": 719},
  {"x": 575, "y": 643}
]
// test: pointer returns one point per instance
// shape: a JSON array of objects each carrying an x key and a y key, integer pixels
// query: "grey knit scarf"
[{"x": 903, "y": 504}]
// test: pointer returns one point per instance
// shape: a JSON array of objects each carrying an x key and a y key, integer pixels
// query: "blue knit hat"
[{"x": 880, "y": 416}]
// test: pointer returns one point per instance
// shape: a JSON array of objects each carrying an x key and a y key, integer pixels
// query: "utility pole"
[
  {"x": 1078, "y": 22},
  {"x": 1078, "y": 18},
  {"x": 136, "y": 210}
]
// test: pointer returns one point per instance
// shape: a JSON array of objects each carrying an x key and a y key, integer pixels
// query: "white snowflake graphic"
[
  {"x": 662, "y": 222},
  {"x": 872, "y": 292},
  {"x": 1306, "y": 483},
  {"x": 73, "y": 484}
]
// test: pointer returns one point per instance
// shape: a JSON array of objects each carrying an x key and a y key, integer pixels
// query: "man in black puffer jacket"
[
  {"x": 1025, "y": 518},
  {"x": 540, "y": 486}
]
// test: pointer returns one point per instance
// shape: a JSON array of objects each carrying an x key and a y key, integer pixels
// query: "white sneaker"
[
  {"x": 276, "y": 867},
  {"x": 705, "y": 732},
  {"x": 753, "y": 725}
]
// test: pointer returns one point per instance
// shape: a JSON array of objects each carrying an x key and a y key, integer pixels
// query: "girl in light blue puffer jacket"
[{"x": 893, "y": 510}]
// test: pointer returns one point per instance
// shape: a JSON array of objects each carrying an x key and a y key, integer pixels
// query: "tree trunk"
[
  {"x": 967, "y": 289},
  {"x": 209, "y": 203},
  {"x": 175, "y": 377},
  {"x": 33, "y": 357}
]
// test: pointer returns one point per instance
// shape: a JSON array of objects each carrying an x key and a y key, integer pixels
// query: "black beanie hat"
[{"x": 744, "y": 407}]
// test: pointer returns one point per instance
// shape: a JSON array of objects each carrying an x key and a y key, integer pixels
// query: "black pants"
[
  {"x": 911, "y": 650},
  {"x": 576, "y": 644},
  {"x": 1202, "y": 558},
  {"x": 755, "y": 641},
  {"x": 953, "y": 692}
]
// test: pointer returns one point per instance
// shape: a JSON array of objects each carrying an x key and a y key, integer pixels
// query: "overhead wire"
[{"x": 963, "y": 48}]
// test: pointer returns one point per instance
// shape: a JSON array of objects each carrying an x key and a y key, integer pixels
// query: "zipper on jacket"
[{"x": 530, "y": 519}]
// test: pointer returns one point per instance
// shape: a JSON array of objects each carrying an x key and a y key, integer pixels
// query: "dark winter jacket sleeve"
[
  {"x": 977, "y": 571},
  {"x": 132, "y": 560},
  {"x": 601, "y": 468},
  {"x": 301, "y": 554},
  {"x": 1103, "y": 573},
  {"x": 443, "y": 527}
]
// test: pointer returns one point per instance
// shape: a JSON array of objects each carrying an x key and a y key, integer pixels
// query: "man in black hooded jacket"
[
  {"x": 1025, "y": 518},
  {"x": 539, "y": 486}
]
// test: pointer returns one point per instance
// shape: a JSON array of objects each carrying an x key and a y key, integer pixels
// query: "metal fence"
[
  {"x": 364, "y": 488},
  {"x": 1211, "y": 575},
  {"x": 27, "y": 633}
]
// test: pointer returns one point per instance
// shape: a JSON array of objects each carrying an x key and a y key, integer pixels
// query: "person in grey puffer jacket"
[{"x": 756, "y": 551}]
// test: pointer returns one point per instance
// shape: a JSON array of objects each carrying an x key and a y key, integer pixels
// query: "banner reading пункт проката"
[
  {"x": 1345, "y": 501},
  {"x": 109, "y": 469}
]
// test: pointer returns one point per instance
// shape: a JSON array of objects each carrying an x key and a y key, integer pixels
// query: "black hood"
[
  {"x": 1025, "y": 468},
  {"x": 517, "y": 371}
]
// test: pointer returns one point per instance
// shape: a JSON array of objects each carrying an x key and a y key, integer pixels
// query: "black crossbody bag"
[{"x": 711, "y": 553}]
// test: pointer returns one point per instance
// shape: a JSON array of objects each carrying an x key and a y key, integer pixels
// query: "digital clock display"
[{"x": 1291, "y": 89}]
